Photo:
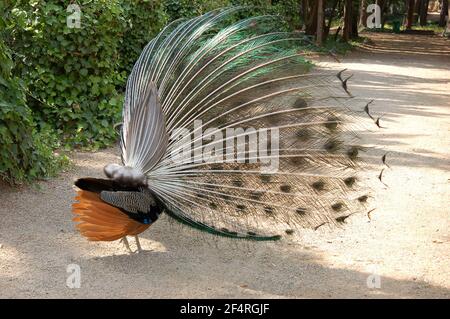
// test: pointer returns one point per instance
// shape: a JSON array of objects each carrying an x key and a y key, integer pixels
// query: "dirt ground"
[{"x": 404, "y": 248}]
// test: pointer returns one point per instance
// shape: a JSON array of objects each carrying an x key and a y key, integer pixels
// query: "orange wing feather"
[{"x": 99, "y": 221}]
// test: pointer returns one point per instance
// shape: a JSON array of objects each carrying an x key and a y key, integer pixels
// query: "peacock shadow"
[{"x": 203, "y": 267}]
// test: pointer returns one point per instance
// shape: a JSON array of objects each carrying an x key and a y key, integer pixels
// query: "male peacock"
[{"x": 227, "y": 128}]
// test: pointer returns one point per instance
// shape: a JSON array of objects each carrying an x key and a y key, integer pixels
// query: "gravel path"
[{"x": 406, "y": 244}]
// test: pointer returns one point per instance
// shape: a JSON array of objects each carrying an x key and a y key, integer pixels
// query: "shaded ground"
[{"x": 407, "y": 242}]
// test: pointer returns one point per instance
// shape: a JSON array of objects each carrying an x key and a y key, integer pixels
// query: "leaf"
[{"x": 83, "y": 72}]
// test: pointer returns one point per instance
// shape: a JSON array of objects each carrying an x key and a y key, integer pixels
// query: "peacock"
[{"x": 228, "y": 128}]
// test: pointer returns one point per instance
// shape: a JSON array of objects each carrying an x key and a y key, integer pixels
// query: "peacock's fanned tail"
[{"x": 250, "y": 75}]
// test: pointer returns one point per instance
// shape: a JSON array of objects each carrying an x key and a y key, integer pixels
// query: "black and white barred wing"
[{"x": 270, "y": 144}]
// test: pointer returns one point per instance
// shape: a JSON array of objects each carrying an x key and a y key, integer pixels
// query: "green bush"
[
  {"x": 72, "y": 73},
  {"x": 145, "y": 18},
  {"x": 76, "y": 76},
  {"x": 23, "y": 155}
]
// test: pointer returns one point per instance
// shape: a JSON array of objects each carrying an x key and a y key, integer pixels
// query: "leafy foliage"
[
  {"x": 72, "y": 72},
  {"x": 144, "y": 18},
  {"x": 177, "y": 9},
  {"x": 23, "y": 154}
]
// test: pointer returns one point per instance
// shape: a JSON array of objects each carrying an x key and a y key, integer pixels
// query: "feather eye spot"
[
  {"x": 318, "y": 186},
  {"x": 265, "y": 178},
  {"x": 219, "y": 121},
  {"x": 238, "y": 183},
  {"x": 350, "y": 181},
  {"x": 256, "y": 195},
  {"x": 216, "y": 167},
  {"x": 300, "y": 103},
  {"x": 276, "y": 119},
  {"x": 337, "y": 207},
  {"x": 331, "y": 146},
  {"x": 225, "y": 197},
  {"x": 341, "y": 219},
  {"x": 332, "y": 123},
  {"x": 353, "y": 153},
  {"x": 303, "y": 134},
  {"x": 298, "y": 160},
  {"x": 285, "y": 188},
  {"x": 363, "y": 199}
]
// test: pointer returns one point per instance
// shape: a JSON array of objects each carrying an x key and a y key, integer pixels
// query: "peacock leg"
[
  {"x": 138, "y": 244},
  {"x": 124, "y": 240}
]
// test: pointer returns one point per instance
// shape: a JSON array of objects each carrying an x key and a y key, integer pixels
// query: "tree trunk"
[
  {"x": 337, "y": 33},
  {"x": 311, "y": 25},
  {"x": 330, "y": 20},
  {"x": 417, "y": 11},
  {"x": 320, "y": 22},
  {"x": 347, "y": 20},
  {"x": 363, "y": 14},
  {"x": 444, "y": 12},
  {"x": 304, "y": 13},
  {"x": 381, "y": 4},
  {"x": 423, "y": 12},
  {"x": 355, "y": 20},
  {"x": 410, "y": 15},
  {"x": 447, "y": 31}
]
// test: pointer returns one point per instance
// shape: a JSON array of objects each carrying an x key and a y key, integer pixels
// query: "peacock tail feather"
[{"x": 250, "y": 76}]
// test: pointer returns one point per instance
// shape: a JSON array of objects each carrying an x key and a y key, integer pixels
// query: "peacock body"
[{"x": 229, "y": 129}]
